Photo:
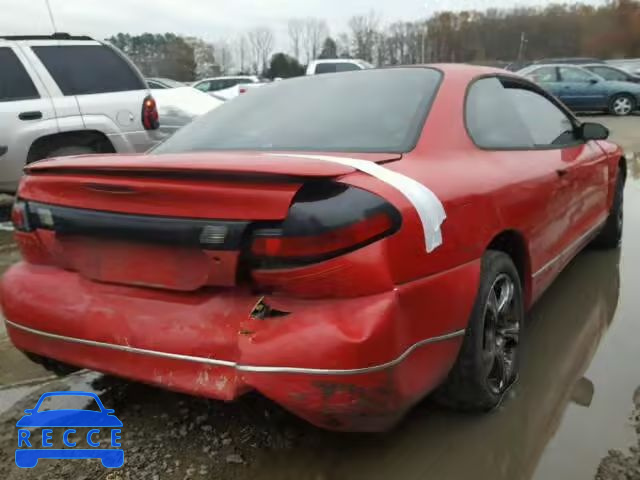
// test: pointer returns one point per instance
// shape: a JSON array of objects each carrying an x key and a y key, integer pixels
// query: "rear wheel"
[
  {"x": 611, "y": 234},
  {"x": 622, "y": 105},
  {"x": 490, "y": 355}
]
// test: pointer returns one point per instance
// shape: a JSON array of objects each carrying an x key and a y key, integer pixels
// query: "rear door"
[
  {"x": 108, "y": 89},
  {"x": 581, "y": 90},
  {"x": 26, "y": 113}
]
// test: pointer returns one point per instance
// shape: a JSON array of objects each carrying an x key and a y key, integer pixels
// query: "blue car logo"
[{"x": 28, "y": 453}]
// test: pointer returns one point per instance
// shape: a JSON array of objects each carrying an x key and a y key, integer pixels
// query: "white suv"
[
  {"x": 63, "y": 95},
  {"x": 333, "y": 65},
  {"x": 226, "y": 87}
]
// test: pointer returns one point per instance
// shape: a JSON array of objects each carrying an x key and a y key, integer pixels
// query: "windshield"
[{"x": 367, "y": 111}]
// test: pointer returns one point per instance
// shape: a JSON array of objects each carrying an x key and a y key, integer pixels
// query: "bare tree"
[
  {"x": 242, "y": 52},
  {"x": 224, "y": 56},
  {"x": 364, "y": 30},
  {"x": 296, "y": 31},
  {"x": 314, "y": 33},
  {"x": 261, "y": 45}
]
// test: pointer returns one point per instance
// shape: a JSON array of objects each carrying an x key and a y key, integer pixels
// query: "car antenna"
[{"x": 53, "y": 22}]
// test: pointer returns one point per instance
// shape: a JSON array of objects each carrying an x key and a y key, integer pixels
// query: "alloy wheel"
[
  {"x": 501, "y": 334},
  {"x": 622, "y": 106}
]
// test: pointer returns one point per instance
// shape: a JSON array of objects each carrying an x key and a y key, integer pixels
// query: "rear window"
[
  {"x": 88, "y": 69},
  {"x": 364, "y": 111},
  {"x": 15, "y": 83}
]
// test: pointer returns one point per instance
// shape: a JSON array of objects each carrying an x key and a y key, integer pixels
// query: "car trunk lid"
[{"x": 166, "y": 221}]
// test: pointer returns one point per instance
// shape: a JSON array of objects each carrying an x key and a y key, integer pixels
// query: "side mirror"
[
  {"x": 593, "y": 131},
  {"x": 29, "y": 411}
]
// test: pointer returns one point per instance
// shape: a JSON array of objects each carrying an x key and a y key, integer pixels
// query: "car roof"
[{"x": 337, "y": 60}]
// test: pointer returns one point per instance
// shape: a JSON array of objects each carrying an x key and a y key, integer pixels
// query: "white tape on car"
[{"x": 427, "y": 204}]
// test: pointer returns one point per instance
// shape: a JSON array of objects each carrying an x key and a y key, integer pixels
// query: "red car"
[{"x": 343, "y": 244}]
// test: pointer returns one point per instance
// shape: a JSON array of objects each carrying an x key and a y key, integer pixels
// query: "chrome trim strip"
[
  {"x": 240, "y": 367},
  {"x": 573, "y": 245}
]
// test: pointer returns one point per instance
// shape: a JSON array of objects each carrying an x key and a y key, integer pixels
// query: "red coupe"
[{"x": 343, "y": 244}]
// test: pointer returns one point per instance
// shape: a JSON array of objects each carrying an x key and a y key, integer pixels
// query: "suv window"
[
  {"x": 572, "y": 74},
  {"x": 610, "y": 73},
  {"x": 492, "y": 120},
  {"x": 346, "y": 67},
  {"x": 88, "y": 69},
  {"x": 378, "y": 111},
  {"x": 326, "y": 68},
  {"x": 15, "y": 83},
  {"x": 547, "y": 124}
]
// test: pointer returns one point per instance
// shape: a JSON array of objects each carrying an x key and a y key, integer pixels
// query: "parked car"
[
  {"x": 226, "y": 87},
  {"x": 569, "y": 60},
  {"x": 333, "y": 65},
  {"x": 344, "y": 244},
  {"x": 631, "y": 65},
  {"x": 63, "y": 95},
  {"x": 179, "y": 106},
  {"x": 582, "y": 90},
  {"x": 609, "y": 72},
  {"x": 157, "y": 83}
]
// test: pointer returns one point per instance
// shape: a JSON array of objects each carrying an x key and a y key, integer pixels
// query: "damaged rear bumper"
[{"x": 345, "y": 364}]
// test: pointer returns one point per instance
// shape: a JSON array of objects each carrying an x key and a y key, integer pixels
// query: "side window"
[
  {"x": 543, "y": 75},
  {"x": 492, "y": 120},
  {"x": 346, "y": 67},
  {"x": 548, "y": 125},
  {"x": 572, "y": 74},
  {"x": 204, "y": 86},
  {"x": 88, "y": 69},
  {"x": 326, "y": 68},
  {"x": 216, "y": 85},
  {"x": 610, "y": 74},
  {"x": 15, "y": 83}
]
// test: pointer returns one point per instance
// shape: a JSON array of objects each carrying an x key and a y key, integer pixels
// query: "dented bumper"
[{"x": 345, "y": 364}]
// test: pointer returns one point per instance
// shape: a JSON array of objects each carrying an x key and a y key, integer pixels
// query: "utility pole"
[
  {"x": 53, "y": 22},
  {"x": 424, "y": 37},
  {"x": 523, "y": 42}
]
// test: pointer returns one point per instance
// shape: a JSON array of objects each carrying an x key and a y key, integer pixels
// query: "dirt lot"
[{"x": 575, "y": 413}]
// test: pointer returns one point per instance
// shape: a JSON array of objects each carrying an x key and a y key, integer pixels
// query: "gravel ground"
[
  {"x": 620, "y": 465},
  {"x": 165, "y": 435}
]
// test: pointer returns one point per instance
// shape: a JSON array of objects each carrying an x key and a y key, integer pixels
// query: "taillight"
[
  {"x": 20, "y": 216},
  {"x": 243, "y": 89},
  {"x": 325, "y": 220},
  {"x": 150, "y": 119}
]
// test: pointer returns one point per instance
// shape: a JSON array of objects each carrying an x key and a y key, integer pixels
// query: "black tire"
[
  {"x": 611, "y": 235},
  {"x": 70, "y": 150},
  {"x": 469, "y": 386},
  {"x": 629, "y": 99},
  {"x": 57, "y": 368}
]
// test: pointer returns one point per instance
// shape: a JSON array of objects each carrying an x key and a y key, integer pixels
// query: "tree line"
[{"x": 494, "y": 36}]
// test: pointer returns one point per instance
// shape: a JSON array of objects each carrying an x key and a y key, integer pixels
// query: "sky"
[{"x": 215, "y": 20}]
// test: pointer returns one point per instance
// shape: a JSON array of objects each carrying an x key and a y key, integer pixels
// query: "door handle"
[
  {"x": 562, "y": 172},
  {"x": 3, "y": 149},
  {"x": 35, "y": 115}
]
